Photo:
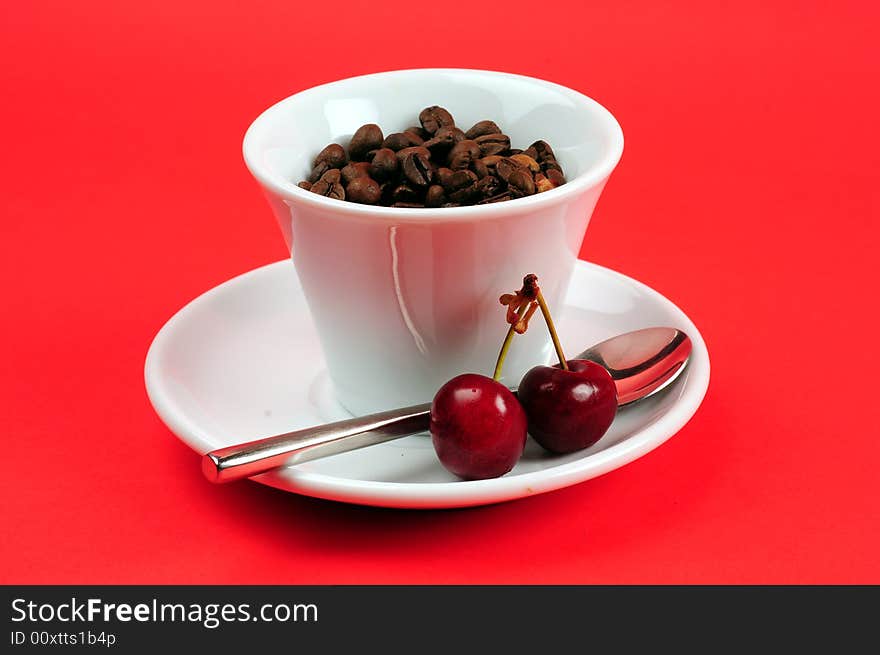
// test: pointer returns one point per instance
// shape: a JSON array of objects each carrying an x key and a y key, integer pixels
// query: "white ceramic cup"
[{"x": 405, "y": 299}]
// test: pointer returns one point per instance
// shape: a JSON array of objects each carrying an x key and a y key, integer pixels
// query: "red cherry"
[
  {"x": 568, "y": 410},
  {"x": 477, "y": 426}
]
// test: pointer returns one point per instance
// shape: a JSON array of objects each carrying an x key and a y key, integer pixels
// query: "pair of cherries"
[{"x": 479, "y": 427}]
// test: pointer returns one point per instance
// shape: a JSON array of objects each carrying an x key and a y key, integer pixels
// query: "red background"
[{"x": 747, "y": 193}]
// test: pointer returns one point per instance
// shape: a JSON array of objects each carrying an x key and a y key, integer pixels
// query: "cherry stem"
[
  {"x": 508, "y": 340},
  {"x": 555, "y": 337}
]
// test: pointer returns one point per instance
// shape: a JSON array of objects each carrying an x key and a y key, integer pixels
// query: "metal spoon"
[{"x": 640, "y": 362}]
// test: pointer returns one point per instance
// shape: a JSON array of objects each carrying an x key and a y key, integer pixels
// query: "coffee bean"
[
  {"x": 488, "y": 186},
  {"x": 305, "y": 185},
  {"x": 479, "y": 168},
  {"x": 514, "y": 151},
  {"x": 492, "y": 144},
  {"x": 414, "y": 205},
  {"x": 490, "y": 162},
  {"x": 457, "y": 133},
  {"x": 320, "y": 168},
  {"x": 333, "y": 155},
  {"x": 434, "y": 117},
  {"x": 545, "y": 156},
  {"x": 556, "y": 176},
  {"x": 520, "y": 183},
  {"x": 405, "y": 193},
  {"x": 387, "y": 192},
  {"x": 504, "y": 167},
  {"x": 543, "y": 183},
  {"x": 402, "y": 154},
  {"x": 482, "y": 128},
  {"x": 465, "y": 195},
  {"x": 416, "y": 167},
  {"x": 460, "y": 180},
  {"x": 435, "y": 197},
  {"x": 363, "y": 189},
  {"x": 501, "y": 197},
  {"x": 353, "y": 170},
  {"x": 451, "y": 204},
  {"x": 330, "y": 185},
  {"x": 440, "y": 143},
  {"x": 443, "y": 140},
  {"x": 526, "y": 162},
  {"x": 400, "y": 140},
  {"x": 462, "y": 154},
  {"x": 367, "y": 137},
  {"x": 384, "y": 165},
  {"x": 443, "y": 175},
  {"x": 422, "y": 133},
  {"x": 531, "y": 152}
]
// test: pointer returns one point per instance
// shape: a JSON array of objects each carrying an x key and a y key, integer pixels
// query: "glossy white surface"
[
  {"x": 417, "y": 290},
  {"x": 242, "y": 362}
]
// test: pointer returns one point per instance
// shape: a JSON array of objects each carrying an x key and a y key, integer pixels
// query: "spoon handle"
[{"x": 255, "y": 457}]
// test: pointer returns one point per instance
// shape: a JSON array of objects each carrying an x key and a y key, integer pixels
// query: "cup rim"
[{"x": 588, "y": 178}]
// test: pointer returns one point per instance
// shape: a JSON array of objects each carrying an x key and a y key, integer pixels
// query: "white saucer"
[{"x": 242, "y": 361}]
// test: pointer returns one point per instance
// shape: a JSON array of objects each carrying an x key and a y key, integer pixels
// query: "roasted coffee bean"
[
  {"x": 387, "y": 192},
  {"x": 433, "y": 118},
  {"x": 513, "y": 151},
  {"x": 520, "y": 183},
  {"x": 556, "y": 176},
  {"x": 364, "y": 190},
  {"x": 400, "y": 140},
  {"x": 367, "y": 137},
  {"x": 526, "y": 162},
  {"x": 416, "y": 167},
  {"x": 462, "y": 154},
  {"x": 440, "y": 143},
  {"x": 482, "y": 128},
  {"x": 384, "y": 165},
  {"x": 460, "y": 180},
  {"x": 504, "y": 167},
  {"x": 543, "y": 183},
  {"x": 435, "y": 197},
  {"x": 531, "y": 152},
  {"x": 501, "y": 197},
  {"x": 443, "y": 140},
  {"x": 320, "y": 168},
  {"x": 550, "y": 165},
  {"x": 451, "y": 204},
  {"x": 457, "y": 133},
  {"x": 490, "y": 162},
  {"x": 405, "y": 193},
  {"x": 479, "y": 168},
  {"x": 546, "y": 158},
  {"x": 414, "y": 205},
  {"x": 333, "y": 155},
  {"x": 465, "y": 195},
  {"x": 422, "y": 133},
  {"x": 492, "y": 144},
  {"x": 488, "y": 186},
  {"x": 542, "y": 151},
  {"x": 330, "y": 185},
  {"x": 354, "y": 169},
  {"x": 305, "y": 185},
  {"x": 402, "y": 154},
  {"x": 443, "y": 175}
]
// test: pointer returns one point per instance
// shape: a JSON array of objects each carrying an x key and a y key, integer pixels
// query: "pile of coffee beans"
[{"x": 434, "y": 164}]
